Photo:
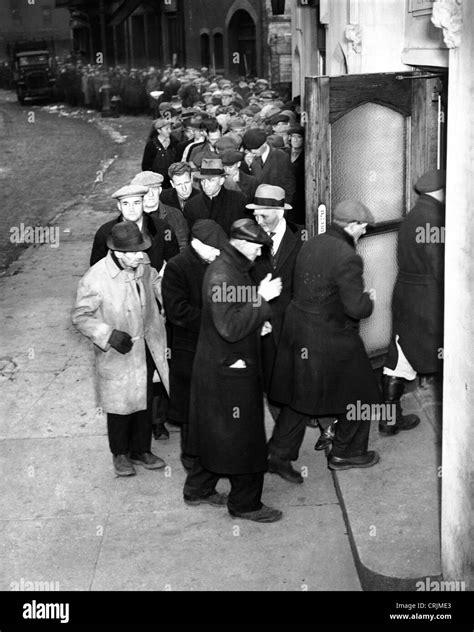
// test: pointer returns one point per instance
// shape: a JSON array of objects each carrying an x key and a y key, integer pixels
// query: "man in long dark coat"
[
  {"x": 417, "y": 303},
  {"x": 322, "y": 368},
  {"x": 227, "y": 430},
  {"x": 182, "y": 299},
  {"x": 215, "y": 201}
]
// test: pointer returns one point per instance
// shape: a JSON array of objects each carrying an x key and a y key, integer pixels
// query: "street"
[{"x": 66, "y": 518}]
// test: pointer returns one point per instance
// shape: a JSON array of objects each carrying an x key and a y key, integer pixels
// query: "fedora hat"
[
  {"x": 210, "y": 168},
  {"x": 127, "y": 237},
  {"x": 269, "y": 196}
]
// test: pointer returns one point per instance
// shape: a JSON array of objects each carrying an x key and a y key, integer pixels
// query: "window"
[{"x": 205, "y": 50}]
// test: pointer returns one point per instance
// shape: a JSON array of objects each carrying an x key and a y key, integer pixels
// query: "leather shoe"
[
  {"x": 149, "y": 460},
  {"x": 326, "y": 437},
  {"x": 123, "y": 465},
  {"x": 216, "y": 500},
  {"x": 365, "y": 460},
  {"x": 160, "y": 432},
  {"x": 264, "y": 514},
  {"x": 284, "y": 469}
]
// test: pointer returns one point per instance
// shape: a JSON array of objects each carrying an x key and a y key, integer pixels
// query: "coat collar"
[
  {"x": 237, "y": 258},
  {"x": 114, "y": 270},
  {"x": 340, "y": 233}
]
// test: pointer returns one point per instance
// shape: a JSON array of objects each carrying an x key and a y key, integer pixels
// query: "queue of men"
[{"x": 205, "y": 294}]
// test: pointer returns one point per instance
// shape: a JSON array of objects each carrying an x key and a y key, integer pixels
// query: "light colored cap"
[
  {"x": 148, "y": 179},
  {"x": 130, "y": 190}
]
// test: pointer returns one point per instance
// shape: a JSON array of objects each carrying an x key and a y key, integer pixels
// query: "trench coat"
[
  {"x": 226, "y": 427},
  {"x": 321, "y": 365},
  {"x": 182, "y": 299},
  {"x": 418, "y": 295},
  {"x": 108, "y": 299}
]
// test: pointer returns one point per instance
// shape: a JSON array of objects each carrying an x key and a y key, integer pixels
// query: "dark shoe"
[
  {"x": 215, "y": 499},
  {"x": 264, "y": 514},
  {"x": 148, "y": 460},
  {"x": 123, "y": 465},
  {"x": 365, "y": 460},
  {"x": 327, "y": 435},
  {"x": 160, "y": 432},
  {"x": 393, "y": 389},
  {"x": 284, "y": 469}
]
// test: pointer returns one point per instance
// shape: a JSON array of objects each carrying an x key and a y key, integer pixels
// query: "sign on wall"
[{"x": 420, "y": 7}]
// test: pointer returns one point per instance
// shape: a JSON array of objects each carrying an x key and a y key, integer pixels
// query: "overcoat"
[
  {"x": 226, "y": 426},
  {"x": 158, "y": 159},
  {"x": 418, "y": 296},
  {"x": 276, "y": 170},
  {"x": 321, "y": 365},
  {"x": 225, "y": 208},
  {"x": 182, "y": 300},
  {"x": 281, "y": 265},
  {"x": 176, "y": 220},
  {"x": 108, "y": 299},
  {"x": 247, "y": 185},
  {"x": 170, "y": 197}
]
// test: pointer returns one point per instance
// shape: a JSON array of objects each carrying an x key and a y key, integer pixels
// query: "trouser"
[
  {"x": 397, "y": 359},
  {"x": 245, "y": 493},
  {"x": 132, "y": 433},
  {"x": 352, "y": 437},
  {"x": 160, "y": 404}
]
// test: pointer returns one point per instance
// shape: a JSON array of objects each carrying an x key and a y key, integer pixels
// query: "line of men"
[{"x": 252, "y": 308}]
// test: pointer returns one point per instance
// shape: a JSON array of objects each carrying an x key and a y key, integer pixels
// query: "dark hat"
[
  {"x": 231, "y": 156},
  {"x": 249, "y": 230},
  {"x": 127, "y": 237},
  {"x": 269, "y": 196},
  {"x": 297, "y": 129},
  {"x": 279, "y": 118},
  {"x": 353, "y": 211},
  {"x": 276, "y": 141},
  {"x": 226, "y": 142},
  {"x": 431, "y": 181},
  {"x": 210, "y": 168},
  {"x": 254, "y": 138},
  {"x": 209, "y": 232}
]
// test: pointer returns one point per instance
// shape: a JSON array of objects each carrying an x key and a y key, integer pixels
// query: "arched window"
[
  {"x": 205, "y": 50},
  {"x": 219, "y": 50}
]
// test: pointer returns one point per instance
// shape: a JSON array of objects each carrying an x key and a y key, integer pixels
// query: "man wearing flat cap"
[
  {"x": 236, "y": 179},
  {"x": 182, "y": 299},
  {"x": 226, "y": 431},
  {"x": 153, "y": 205},
  {"x": 164, "y": 244},
  {"x": 418, "y": 298},
  {"x": 321, "y": 367},
  {"x": 215, "y": 202},
  {"x": 116, "y": 309},
  {"x": 160, "y": 150},
  {"x": 269, "y": 165}
]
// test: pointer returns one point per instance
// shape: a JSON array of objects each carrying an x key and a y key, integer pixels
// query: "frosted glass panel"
[
  {"x": 368, "y": 148},
  {"x": 379, "y": 253}
]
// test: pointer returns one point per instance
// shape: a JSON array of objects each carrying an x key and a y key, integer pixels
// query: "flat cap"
[
  {"x": 279, "y": 118},
  {"x": 130, "y": 190},
  {"x": 353, "y": 211},
  {"x": 297, "y": 129},
  {"x": 209, "y": 232},
  {"x": 249, "y": 230},
  {"x": 254, "y": 138},
  {"x": 226, "y": 142},
  {"x": 231, "y": 156},
  {"x": 148, "y": 179},
  {"x": 431, "y": 181},
  {"x": 276, "y": 141}
]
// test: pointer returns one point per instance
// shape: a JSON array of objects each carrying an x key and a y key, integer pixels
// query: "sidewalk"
[{"x": 66, "y": 517}]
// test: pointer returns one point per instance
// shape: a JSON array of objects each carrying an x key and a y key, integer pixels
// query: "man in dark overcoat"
[
  {"x": 181, "y": 189},
  {"x": 236, "y": 179},
  {"x": 182, "y": 299},
  {"x": 227, "y": 432},
  {"x": 417, "y": 302},
  {"x": 164, "y": 244},
  {"x": 160, "y": 150},
  {"x": 321, "y": 368},
  {"x": 269, "y": 166},
  {"x": 215, "y": 201}
]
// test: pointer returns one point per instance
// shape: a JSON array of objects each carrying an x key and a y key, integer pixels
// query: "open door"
[{"x": 369, "y": 137}]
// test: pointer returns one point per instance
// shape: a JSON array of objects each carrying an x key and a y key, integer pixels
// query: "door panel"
[{"x": 369, "y": 138}]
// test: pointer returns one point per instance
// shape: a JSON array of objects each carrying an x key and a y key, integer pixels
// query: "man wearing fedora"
[
  {"x": 116, "y": 309},
  {"x": 163, "y": 242},
  {"x": 215, "y": 202},
  {"x": 236, "y": 179},
  {"x": 153, "y": 205},
  {"x": 226, "y": 431},
  {"x": 160, "y": 150},
  {"x": 321, "y": 367},
  {"x": 418, "y": 299},
  {"x": 182, "y": 299},
  {"x": 269, "y": 165}
]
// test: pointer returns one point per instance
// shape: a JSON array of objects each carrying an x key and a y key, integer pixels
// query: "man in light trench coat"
[{"x": 116, "y": 309}]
